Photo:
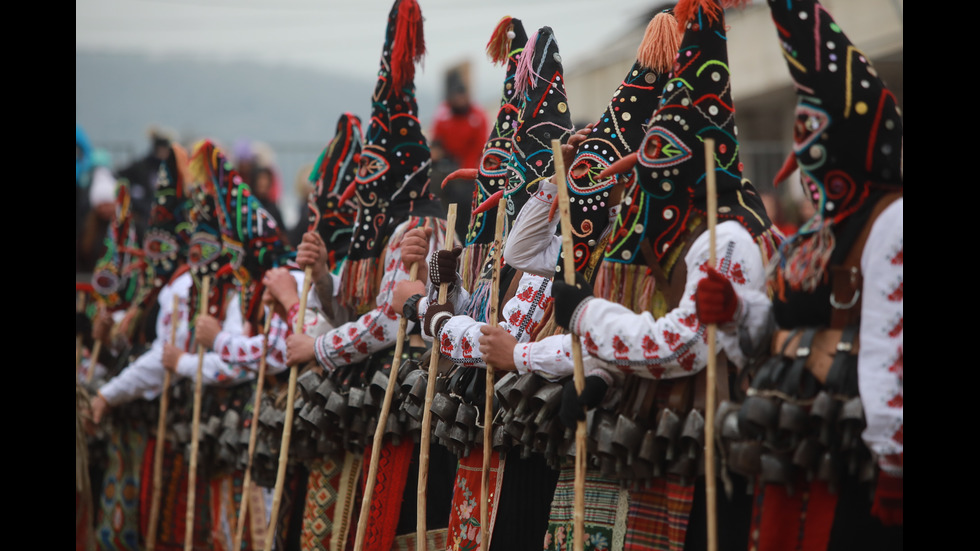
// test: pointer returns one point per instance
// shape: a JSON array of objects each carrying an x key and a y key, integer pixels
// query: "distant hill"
[{"x": 118, "y": 97}]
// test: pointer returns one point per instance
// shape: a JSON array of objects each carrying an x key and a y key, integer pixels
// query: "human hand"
[
  {"x": 715, "y": 299},
  {"x": 312, "y": 251},
  {"x": 206, "y": 329},
  {"x": 888, "y": 505},
  {"x": 443, "y": 266},
  {"x": 569, "y": 148},
  {"x": 99, "y": 407},
  {"x": 415, "y": 249},
  {"x": 282, "y": 286},
  {"x": 568, "y": 297},
  {"x": 403, "y": 290},
  {"x": 497, "y": 347},
  {"x": 171, "y": 357},
  {"x": 436, "y": 315},
  {"x": 299, "y": 349},
  {"x": 573, "y": 404}
]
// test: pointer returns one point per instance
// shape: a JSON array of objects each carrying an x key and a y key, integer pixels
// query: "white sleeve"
[
  {"x": 880, "y": 357},
  {"x": 532, "y": 245},
  {"x": 144, "y": 377},
  {"x": 676, "y": 344},
  {"x": 247, "y": 351},
  {"x": 459, "y": 339},
  {"x": 141, "y": 378},
  {"x": 551, "y": 357},
  {"x": 214, "y": 370},
  {"x": 377, "y": 329}
]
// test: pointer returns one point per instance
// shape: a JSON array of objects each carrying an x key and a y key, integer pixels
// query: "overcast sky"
[{"x": 341, "y": 36}]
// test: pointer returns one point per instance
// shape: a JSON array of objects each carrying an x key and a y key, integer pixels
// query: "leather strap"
[
  {"x": 793, "y": 379},
  {"x": 839, "y": 378},
  {"x": 846, "y": 279}
]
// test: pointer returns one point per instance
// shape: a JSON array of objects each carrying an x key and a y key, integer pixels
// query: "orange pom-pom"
[{"x": 660, "y": 43}]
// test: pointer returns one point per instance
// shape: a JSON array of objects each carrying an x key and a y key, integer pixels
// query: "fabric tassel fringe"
[
  {"x": 498, "y": 47},
  {"x": 631, "y": 285},
  {"x": 409, "y": 44},
  {"x": 525, "y": 78}
]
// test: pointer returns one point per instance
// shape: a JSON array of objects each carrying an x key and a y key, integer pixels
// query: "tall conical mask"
[
  {"x": 669, "y": 199},
  {"x": 118, "y": 275},
  {"x": 392, "y": 181},
  {"x": 848, "y": 131},
  {"x": 616, "y": 134},
  {"x": 330, "y": 213}
]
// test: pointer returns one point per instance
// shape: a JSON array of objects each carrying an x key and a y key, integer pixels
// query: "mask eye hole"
[{"x": 491, "y": 162}]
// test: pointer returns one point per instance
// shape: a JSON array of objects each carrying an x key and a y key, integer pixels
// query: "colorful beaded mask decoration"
[
  {"x": 333, "y": 173},
  {"x": 166, "y": 240},
  {"x": 117, "y": 277},
  {"x": 617, "y": 133},
  {"x": 848, "y": 131},
  {"x": 670, "y": 162},
  {"x": 505, "y": 46},
  {"x": 393, "y": 172},
  {"x": 544, "y": 116}
]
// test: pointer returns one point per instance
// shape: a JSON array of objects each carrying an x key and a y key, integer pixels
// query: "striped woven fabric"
[
  {"x": 601, "y": 498},
  {"x": 118, "y": 515},
  {"x": 801, "y": 520},
  {"x": 658, "y": 515},
  {"x": 321, "y": 498},
  {"x": 225, "y": 494},
  {"x": 434, "y": 539}
]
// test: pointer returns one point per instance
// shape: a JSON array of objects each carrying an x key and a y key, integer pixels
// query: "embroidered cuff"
[
  {"x": 522, "y": 357},
  {"x": 577, "y": 315}
]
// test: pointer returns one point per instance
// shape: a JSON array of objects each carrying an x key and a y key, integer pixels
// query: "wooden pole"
[
  {"x": 196, "y": 425},
  {"x": 252, "y": 436},
  {"x": 711, "y": 488},
  {"x": 430, "y": 391},
  {"x": 94, "y": 361},
  {"x": 498, "y": 244},
  {"x": 379, "y": 432},
  {"x": 568, "y": 267},
  {"x": 79, "y": 308},
  {"x": 151, "y": 534},
  {"x": 287, "y": 429},
  {"x": 96, "y": 348}
]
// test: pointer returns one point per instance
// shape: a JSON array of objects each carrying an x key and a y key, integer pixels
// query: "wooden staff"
[
  {"x": 151, "y": 535},
  {"x": 196, "y": 424},
  {"x": 568, "y": 267},
  {"x": 430, "y": 391},
  {"x": 252, "y": 436},
  {"x": 96, "y": 352},
  {"x": 287, "y": 429},
  {"x": 498, "y": 243},
  {"x": 379, "y": 432},
  {"x": 79, "y": 308},
  {"x": 709, "y": 421}
]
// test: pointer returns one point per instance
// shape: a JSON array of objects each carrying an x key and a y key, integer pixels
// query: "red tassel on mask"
[{"x": 408, "y": 46}]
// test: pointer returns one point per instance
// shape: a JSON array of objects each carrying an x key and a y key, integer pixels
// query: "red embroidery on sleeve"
[
  {"x": 620, "y": 348},
  {"x": 899, "y": 258},
  {"x": 736, "y": 275},
  {"x": 897, "y": 330},
  {"x": 650, "y": 347},
  {"x": 896, "y": 401},
  {"x": 898, "y": 293}
]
